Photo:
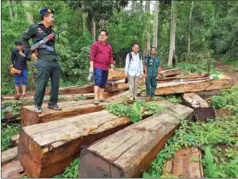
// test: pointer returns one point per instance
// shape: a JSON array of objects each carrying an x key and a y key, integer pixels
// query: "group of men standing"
[{"x": 101, "y": 59}]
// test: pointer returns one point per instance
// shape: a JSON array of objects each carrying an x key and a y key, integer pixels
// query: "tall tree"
[
  {"x": 189, "y": 28},
  {"x": 148, "y": 36},
  {"x": 29, "y": 15},
  {"x": 98, "y": 10},
  {"x": 10, "y": 9},
  {"x": 156, "y": 23},
  {"x": 172, "y": 33}
]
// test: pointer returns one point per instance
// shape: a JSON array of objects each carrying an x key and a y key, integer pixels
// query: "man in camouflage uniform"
[{"x": 46, "y": 64}]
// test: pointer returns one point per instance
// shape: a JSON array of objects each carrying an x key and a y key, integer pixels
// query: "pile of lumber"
[
  {"x": 42, "y": 147},
  {"x": 108, "y": 145}
]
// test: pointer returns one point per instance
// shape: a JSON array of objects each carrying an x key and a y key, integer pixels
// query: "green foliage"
[
  {"x": 12, "y": 106},
  {"x": 7, "y": 132},
  {"x": 126, "y": 27},
  {"x": 173, "y": 99},
  {"x": 79, "y": 98},
  {"x": 198, "y": 65},
  {"x": 215, "y": 169},
  {"x": 227, "y": 99},
  {"x": 71, "y": 171},
  {"x": 134, "y": 111},
  {"x": 222, "y": 131}
]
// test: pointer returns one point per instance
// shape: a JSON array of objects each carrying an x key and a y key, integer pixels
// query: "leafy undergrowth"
[
  {"x": 173, "y": 98},
  {"x": 227, "y": 99},
  {"x": 222, "y": 131},
  {"x": 134, "y": 111},
  {"x": 7, "y": 132},
  {"x": 12, "y": 106},
  {"x": 71, "y": 171}
]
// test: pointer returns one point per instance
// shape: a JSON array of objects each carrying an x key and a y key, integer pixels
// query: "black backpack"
[{"x": 130, "y": 57}]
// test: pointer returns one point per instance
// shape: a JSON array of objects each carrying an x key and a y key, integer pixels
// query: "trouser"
[
  {"x": 47, "y": 69},
  {"x": 100, "y": 77},
  {"x": 151, "y": 84},
  {"x": 133, "y": 85},
  {"x": 21, "y": 80}
]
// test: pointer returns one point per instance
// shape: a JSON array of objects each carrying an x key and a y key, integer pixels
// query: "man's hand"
[
  {"x": 34, "y": 56},
  {"x": 112, "y": 70},
  {"x": 90, "y": 70},
  {"x": 126, "y": 75},
  {"x": 22, "y": 54}
]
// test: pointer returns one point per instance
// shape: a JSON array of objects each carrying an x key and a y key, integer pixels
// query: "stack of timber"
[
  {"x": 192, "y": 86},
  {"x": 129, "y": 152},
  {"x": 202, "y": 109},
  {"x": 62, "y": 91},
  {"x": 193, "y": 76},
  {"x": 170, "y": 72},
  {"x": 42, "y": 147}
]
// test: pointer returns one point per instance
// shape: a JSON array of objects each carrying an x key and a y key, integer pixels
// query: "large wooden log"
[
  {"x": 170, "y": 72},
  {"x": 65, "y": 90},
  {"x": 29, "y": 117},
  {"x": 193, "y": 76},
  {"x": 13, "y": 169},
  {"x": 192, "y": 86},
  {"x": 185, "y": 164},
  {"x": 8, "y": 155},
  {"x": 118, "y": 74},
  {"x": 46, "y": 149},
  {"x": 71, "y": 97},
  {"x": 202, "y": 110},
  {"x": 119, "y": 85},
  {"x": 129, "y": 152}
]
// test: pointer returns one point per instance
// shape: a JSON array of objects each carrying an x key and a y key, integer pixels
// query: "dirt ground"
[{"x": 228, "y": 70}]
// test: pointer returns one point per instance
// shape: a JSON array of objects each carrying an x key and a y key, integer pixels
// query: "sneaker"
[
  {"x": 54, "y": 107},
  {"x": 96, "y": 101},
  {"x": 102, "y": 100},
  {"x": 38, "y": 109}
]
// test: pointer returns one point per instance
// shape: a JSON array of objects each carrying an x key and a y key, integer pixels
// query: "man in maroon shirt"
[{"x": 100, "y": 61}]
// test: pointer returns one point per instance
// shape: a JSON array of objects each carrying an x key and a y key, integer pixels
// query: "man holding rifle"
[{"x": 47, "y": 64}]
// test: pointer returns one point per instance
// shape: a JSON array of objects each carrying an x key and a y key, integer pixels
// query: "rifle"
[{"x": 45, "y": 40}]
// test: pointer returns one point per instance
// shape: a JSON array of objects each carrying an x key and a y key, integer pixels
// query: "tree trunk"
[
  {"x": 29, "y": 15},
  {"x": 189, "y": 29},
  {"x": 172, "y": 34},
  {"x": 94, "y": 30},
  {"x": 156, "y": 18},
  {"x": 147, "y": 47},
  {"x": 10, "y": 9}
]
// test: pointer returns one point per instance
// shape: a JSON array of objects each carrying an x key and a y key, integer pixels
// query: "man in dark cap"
[
  {"x": 19, "y": 59},
  {"x": 47, "y": 64}
]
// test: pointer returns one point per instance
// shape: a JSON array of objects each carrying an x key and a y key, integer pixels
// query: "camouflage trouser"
[
  {"x": 151, "y": 84},
  {"x": 47, "y": 70}
]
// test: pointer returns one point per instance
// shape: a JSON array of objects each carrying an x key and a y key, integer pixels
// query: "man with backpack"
[{"x": 133, "y": 70}]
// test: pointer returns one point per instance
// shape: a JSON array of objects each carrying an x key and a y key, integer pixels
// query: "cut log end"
[{"x": 94, "y": 165}]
